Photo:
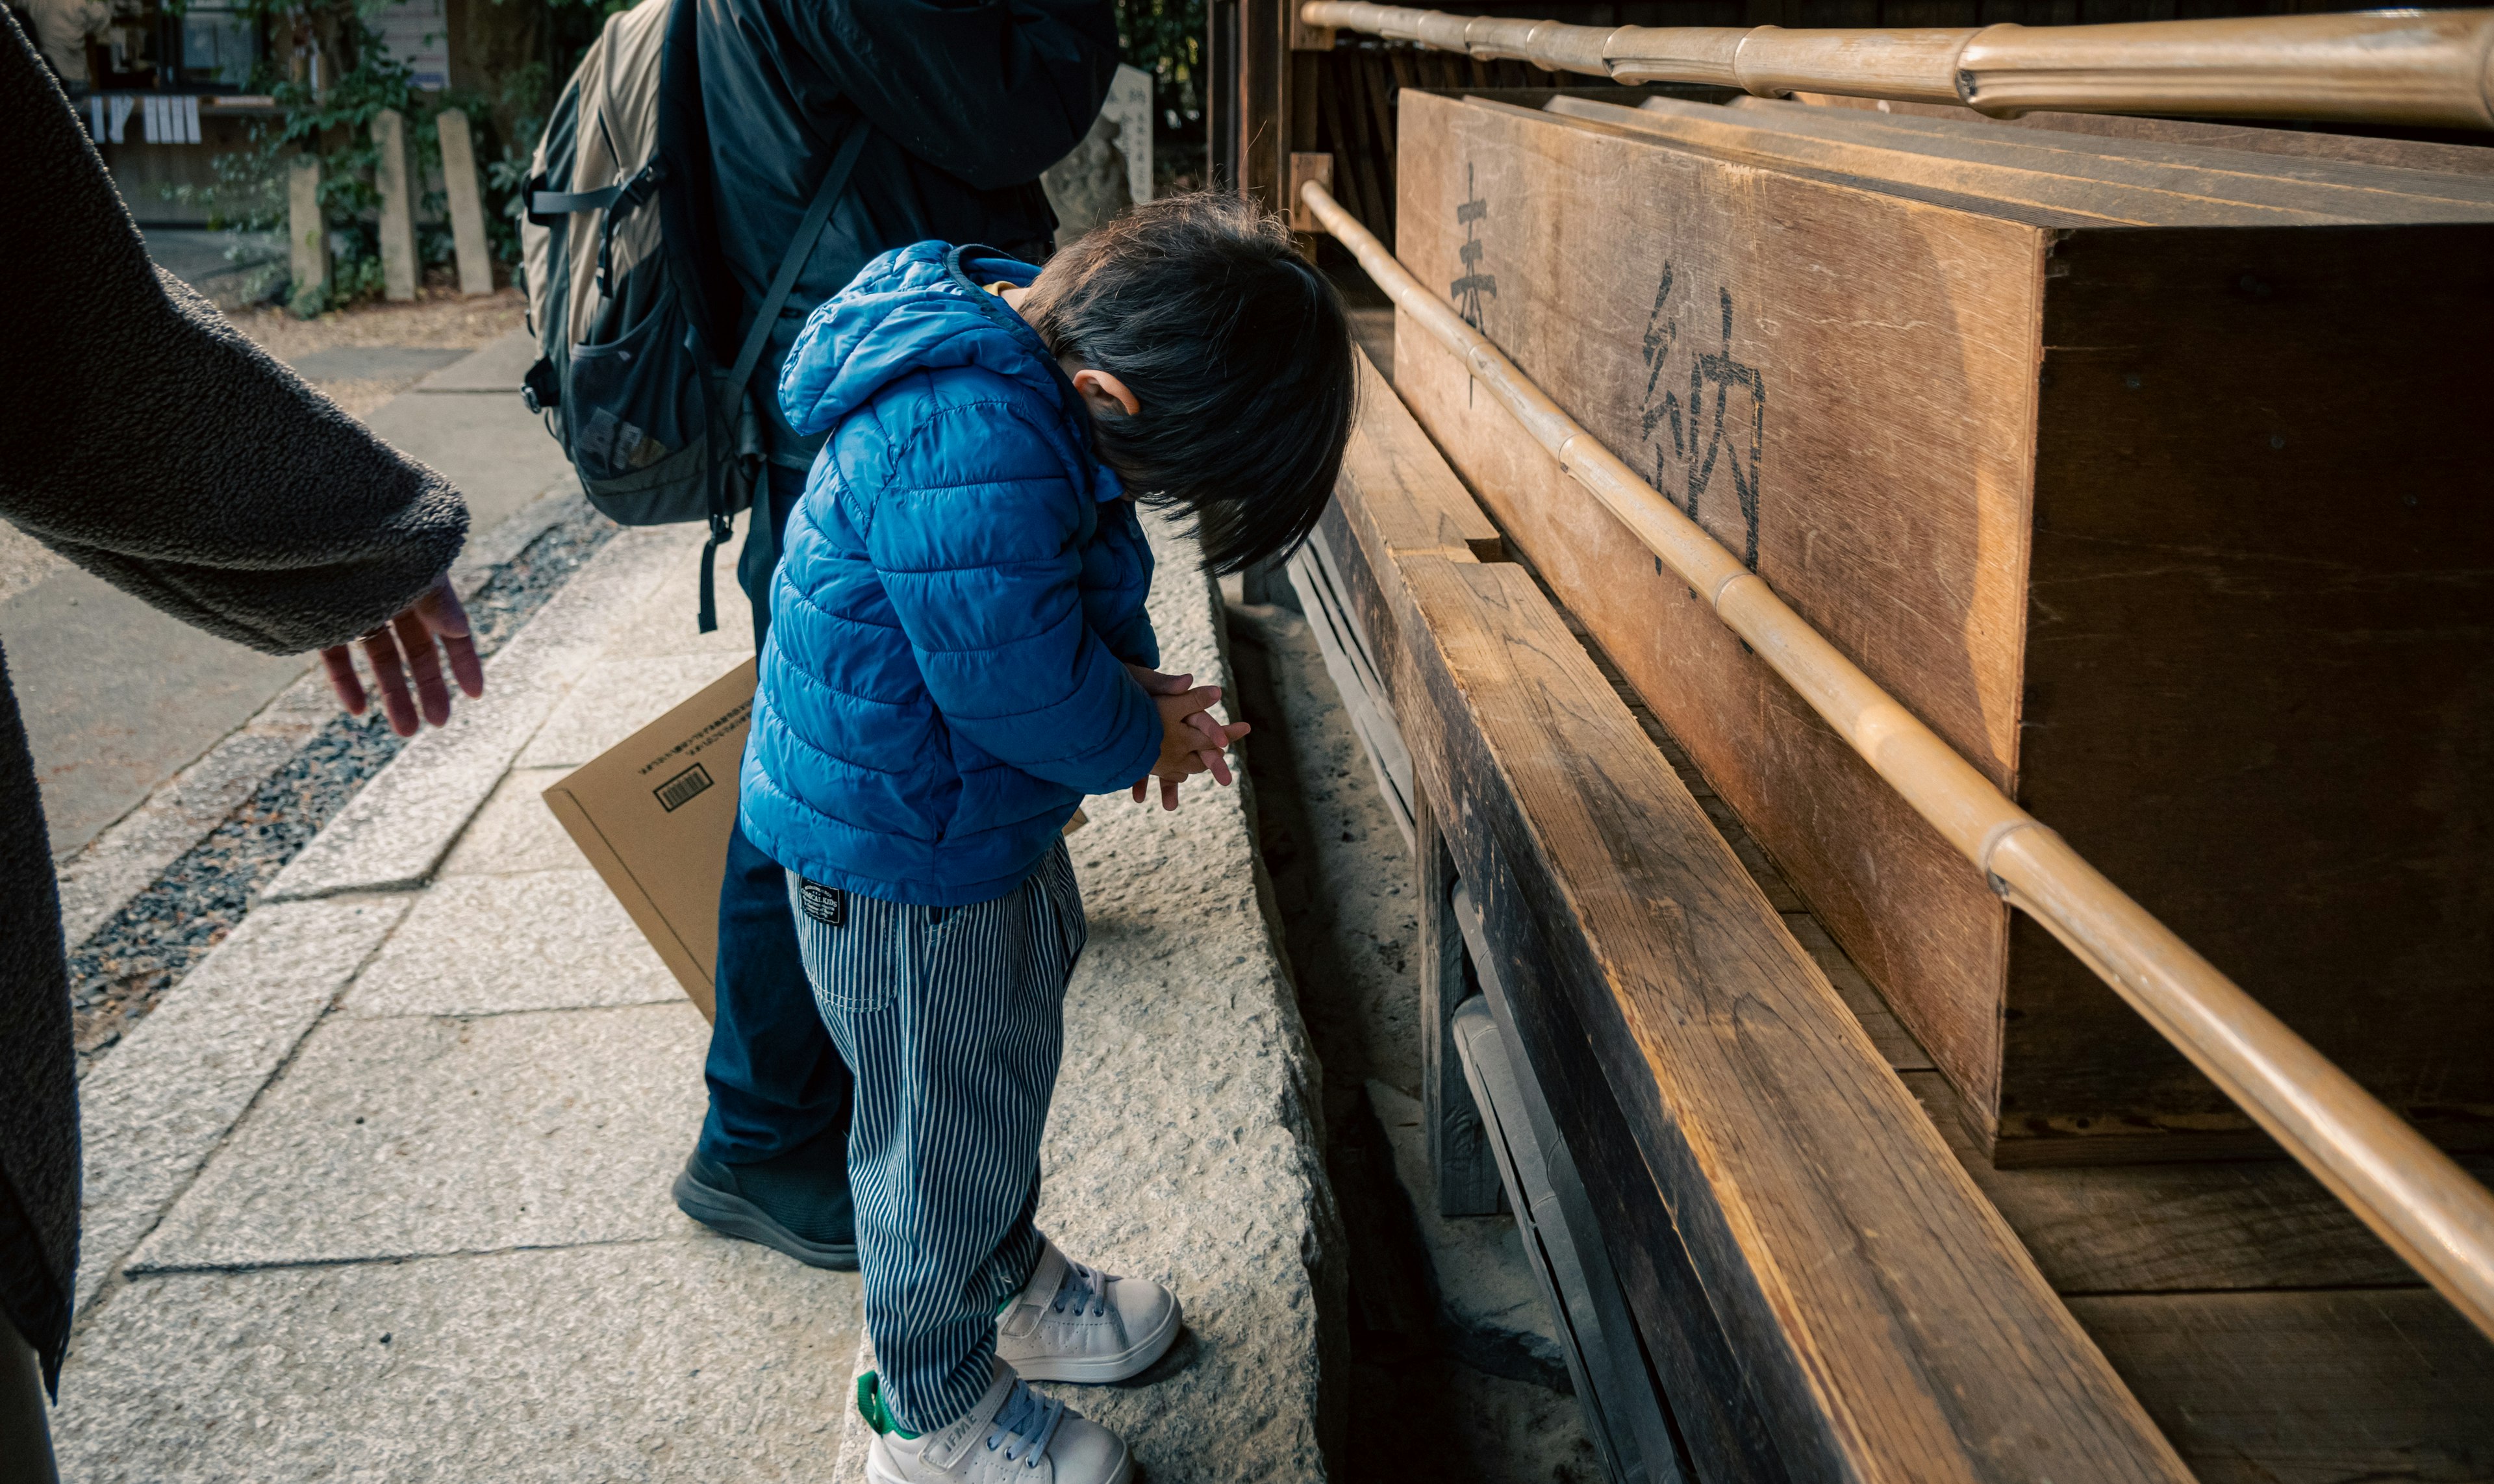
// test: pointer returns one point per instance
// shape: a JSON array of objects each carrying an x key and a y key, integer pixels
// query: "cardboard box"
[{"x": 653, "y": 812}]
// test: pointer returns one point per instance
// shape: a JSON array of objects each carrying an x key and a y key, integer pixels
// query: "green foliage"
[
  {"x": 1165, "y": 38},
  {"x": 333, "y": 122},
  {"x": 334, "y": 41}
]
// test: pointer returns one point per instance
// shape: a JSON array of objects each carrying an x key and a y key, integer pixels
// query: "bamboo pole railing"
[
  {"x": 2411, "y": 1193},
  {"x": 2384, "y": 66}
]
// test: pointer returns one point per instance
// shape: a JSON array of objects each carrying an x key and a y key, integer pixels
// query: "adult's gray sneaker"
[
  {"x": 788, "y": 1203},
  {"x": 1076, "y": 1323}
]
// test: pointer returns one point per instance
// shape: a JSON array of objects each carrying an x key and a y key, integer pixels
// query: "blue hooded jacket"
[{"x": 943, "y": 680}]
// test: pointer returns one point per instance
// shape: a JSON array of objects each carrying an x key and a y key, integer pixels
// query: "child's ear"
[{"x": 1105, "y": 395}]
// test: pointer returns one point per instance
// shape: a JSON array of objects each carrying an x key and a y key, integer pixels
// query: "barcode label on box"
[{"x": 682, "y": 788}]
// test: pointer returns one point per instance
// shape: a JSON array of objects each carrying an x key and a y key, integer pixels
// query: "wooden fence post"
[
  {"x": 466, "y": 202},
  {"x": 398, "y": 205},
  {"x": 307, "y": 234}
]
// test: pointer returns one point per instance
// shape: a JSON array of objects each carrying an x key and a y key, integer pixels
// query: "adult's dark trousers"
[{"x": 776, "y": 1081}]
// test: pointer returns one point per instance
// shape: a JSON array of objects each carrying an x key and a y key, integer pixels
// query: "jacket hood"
[{"x": 919, "y": 308}]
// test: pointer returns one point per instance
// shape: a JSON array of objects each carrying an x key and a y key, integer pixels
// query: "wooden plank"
[
  {"x": 2144, "y": 1228},
  {"x": 1459, "y": 1151},
  {"x": 2311, "y": 144},
  {"x": 1930, "y": 473},
  {"x": 1409, "y": 500},
  {"x": 1821, "y": 1294},
  {"x": 2339, "y": 189},
  {"x": 1844, "y": 150},
  {"x": 1876, "y": 1318},
  {"x": 1333, "y": 621},
  {"x": 2332, "y": 1387},
  {"x": 2013, "y": 471}
]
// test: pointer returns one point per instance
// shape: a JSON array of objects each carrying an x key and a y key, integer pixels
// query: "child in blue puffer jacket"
[{"x": 958, "y": 653}]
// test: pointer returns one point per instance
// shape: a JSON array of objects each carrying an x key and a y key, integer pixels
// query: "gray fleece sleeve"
[{"x": 152, "y": 445}]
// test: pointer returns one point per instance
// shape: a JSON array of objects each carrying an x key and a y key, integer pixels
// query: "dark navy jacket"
[
  {"x": 943, "y": 683},
  {"x": 969, "y": 100}
]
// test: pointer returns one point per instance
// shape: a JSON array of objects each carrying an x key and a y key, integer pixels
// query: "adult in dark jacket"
[
  {"x": 966, "y": 104},
  {"x": 148, "y": 442}
]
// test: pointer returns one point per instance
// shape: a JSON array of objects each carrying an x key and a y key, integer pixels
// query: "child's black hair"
[{"x": 1239, "y": 352}]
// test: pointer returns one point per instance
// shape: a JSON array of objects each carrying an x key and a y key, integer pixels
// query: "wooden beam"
[
  {"x": 1885, "y": 1322},
  {"x": 2104, "y": 127},
  {"x": 2146, "y": 183},
  {"x": 2306, "y": 1387},
  {"x": 1823, "y": 1292},
  {"x": 1459, "y": 1152},
  {"x": 1946, "y": 479}
]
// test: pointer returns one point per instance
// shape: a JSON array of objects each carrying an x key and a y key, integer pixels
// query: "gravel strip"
[{"x": 145, "y": 948}]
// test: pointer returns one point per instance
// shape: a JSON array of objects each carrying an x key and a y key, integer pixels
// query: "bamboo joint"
[{"x": 2431, "y": 68}]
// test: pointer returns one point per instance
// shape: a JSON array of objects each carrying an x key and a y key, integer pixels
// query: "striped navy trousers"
[{"x": 953, "y": 1020}]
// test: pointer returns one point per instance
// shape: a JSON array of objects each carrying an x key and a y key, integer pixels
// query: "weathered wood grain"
[
  {"x": 2146, "y": 1229},
  {"x": 1885, "y": 1323},
  {"x": 1839, "y": 147},
  {"x": 1459, "y": 1152},
  {"x": 1896, "y": 363},
  {"x": 2361, "y": 149},
  {"x": 2329, "y": 1387},
  {"x": 2346, "y": 190},
  {"x": 1822, "y": 1292},
  {"x": 2111, "y": 510}
]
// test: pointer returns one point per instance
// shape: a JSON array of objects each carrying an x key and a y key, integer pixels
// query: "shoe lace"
[
  {"x": 1082, "y": 1288},
  {"x": 1027, "y": 1418}
]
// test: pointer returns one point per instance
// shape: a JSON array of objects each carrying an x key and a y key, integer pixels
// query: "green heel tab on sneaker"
[{"x": 870, "y": 1403}]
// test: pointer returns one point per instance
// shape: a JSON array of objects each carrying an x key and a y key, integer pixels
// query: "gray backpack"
[{"x": 657, "y": 430}]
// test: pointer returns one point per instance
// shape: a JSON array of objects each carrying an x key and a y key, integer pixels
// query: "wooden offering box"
[{"x": 2165, "y": 502}]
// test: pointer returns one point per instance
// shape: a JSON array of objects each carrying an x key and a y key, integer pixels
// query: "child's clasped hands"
[{"x": 1192, "y": 741}]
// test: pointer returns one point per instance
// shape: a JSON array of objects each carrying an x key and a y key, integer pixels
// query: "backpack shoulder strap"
[{"x": 801, "y": 247}]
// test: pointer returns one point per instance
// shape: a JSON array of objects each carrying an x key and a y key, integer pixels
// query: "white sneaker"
[
  {"x": 1013, "y": 1435},
  {"x": 1076, "y": 1323}
]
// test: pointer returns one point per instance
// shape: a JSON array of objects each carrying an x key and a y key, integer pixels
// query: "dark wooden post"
[
  {"x": 1263, "y": 99},
  {"x": 1459, "y": 1153}
]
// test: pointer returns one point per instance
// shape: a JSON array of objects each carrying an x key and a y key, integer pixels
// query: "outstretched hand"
[
  {"x": 402, "y": 650},
  {"x": 1193, "y": 740}
]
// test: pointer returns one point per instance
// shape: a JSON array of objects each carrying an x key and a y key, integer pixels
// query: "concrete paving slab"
[
  {"x": 155, "y": 1107},
  {"x": 497, "y": 365},
  {"x": 118, "y": 697},
  {"x": 491, "y": 944},
  {"x": 393, "y": 833},
  {"x": 695, "y": 1361},
  {"x": 494, "y": 449},
  {"x": 669, "y": 622},
  {"x": 515, "y": 831},
  {"x": 367, "y": 363},
  {"x": 122, "y": 858},
  {"x": 415, "y": 1136},
  {"x": 492, "y": 548},
  {"x": 616, "y": 698}
]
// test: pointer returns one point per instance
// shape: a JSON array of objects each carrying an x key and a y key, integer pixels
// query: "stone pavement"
[
  {"x": 380, "y": 1190},
  {"x": 119, "y": 699}
]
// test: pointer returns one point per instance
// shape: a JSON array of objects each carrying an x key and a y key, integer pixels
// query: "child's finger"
[
  {"x": 1169, "y": 794},
  {"x": 1140, "y": 784},
  {"x": 1219, "y": 766}
]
